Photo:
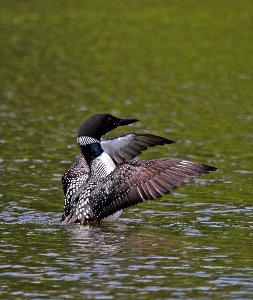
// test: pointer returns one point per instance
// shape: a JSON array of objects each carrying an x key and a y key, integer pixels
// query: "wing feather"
[
  {"x": 135, "y": 181},
  {"x": 127, "y": 147}
]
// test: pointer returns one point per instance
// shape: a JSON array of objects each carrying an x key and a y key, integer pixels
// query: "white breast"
[
  {"x": 108, "y": 162},
  {"x": 102, "y": 166},
  {"x": 110, "y": 166}
]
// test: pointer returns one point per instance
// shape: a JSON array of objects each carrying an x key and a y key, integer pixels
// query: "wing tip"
[
  {"x": 209, "y": 168},
  {"x": 156, "y": 138},
  {"x": 167, "y": 141}
]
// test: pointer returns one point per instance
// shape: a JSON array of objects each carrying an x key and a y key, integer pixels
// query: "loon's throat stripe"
[{"x": 86, "y": 140}]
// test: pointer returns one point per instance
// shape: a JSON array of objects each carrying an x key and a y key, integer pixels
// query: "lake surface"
[{"x": 184, "y": 68}]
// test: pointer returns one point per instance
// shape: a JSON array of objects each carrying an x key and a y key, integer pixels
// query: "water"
[{"x": 183, "y": 68}]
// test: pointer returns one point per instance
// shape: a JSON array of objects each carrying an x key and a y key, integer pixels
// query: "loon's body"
[{"x": 105, "y": 179}]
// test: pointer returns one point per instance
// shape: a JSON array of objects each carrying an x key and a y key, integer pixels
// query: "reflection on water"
[
  {"x": 127, "y": 257},
  {"x": 194, "y": 243}
]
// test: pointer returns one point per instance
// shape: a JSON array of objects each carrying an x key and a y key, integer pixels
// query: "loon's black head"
[{"x": 100, "y": 124}]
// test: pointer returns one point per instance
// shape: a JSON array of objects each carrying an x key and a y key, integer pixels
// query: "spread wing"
[
  {"x": 132, "y": 182},
  {"x": 128, "y": 146},
  {"x": 120, "y": 149}
]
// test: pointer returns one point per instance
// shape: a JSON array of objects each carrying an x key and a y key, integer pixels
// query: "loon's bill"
[{"x": 105, "y": 179}]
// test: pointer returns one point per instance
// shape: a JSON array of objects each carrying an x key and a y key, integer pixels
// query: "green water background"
[{"x": 185, "y": 69}]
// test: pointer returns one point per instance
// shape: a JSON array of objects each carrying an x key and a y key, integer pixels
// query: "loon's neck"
[
  {"x": 100, "y": 163},
  {"x": 90, "y": 148},
  {"x": 91, "y": 151}
]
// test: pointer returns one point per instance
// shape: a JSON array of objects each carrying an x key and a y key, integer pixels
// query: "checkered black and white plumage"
[
  {"x": 133, "y": 182},
  {"x": 75, "y": 177}
]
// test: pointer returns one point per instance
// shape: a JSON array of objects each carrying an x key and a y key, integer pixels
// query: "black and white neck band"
[{"x": 86, "y": 140}]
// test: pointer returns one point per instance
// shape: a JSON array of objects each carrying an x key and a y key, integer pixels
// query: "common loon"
[{"x": 105, "y": 179}]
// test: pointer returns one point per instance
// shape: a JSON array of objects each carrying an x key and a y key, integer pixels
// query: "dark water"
[{"x": 185, "y": 69}]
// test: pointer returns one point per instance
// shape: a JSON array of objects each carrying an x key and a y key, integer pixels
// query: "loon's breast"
[{"x": 102, "y": 166}]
